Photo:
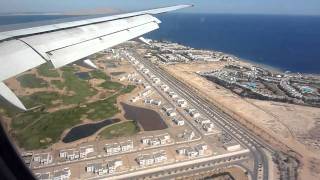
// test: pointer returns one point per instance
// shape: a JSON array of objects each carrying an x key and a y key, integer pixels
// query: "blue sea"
[{"x": 288, "y": 43}]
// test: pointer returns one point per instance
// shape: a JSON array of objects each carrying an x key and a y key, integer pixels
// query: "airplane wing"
[{"x": 64, "y": 43}]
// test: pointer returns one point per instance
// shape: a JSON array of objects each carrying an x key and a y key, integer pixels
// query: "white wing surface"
[{"x": 64, "y": 43}]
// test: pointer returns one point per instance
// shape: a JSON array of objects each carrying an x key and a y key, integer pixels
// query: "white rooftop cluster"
[
  {"x": 152, "y": 101},
  {"x": 187, "y": 135},
  {"x": 285, "y": 85},
  {"x": 75, "y": 154},
  {"x": 155, "y": 141},
  {"x": 61, "y": 174},
  {"x": 150, "y": 159},
  {"x": 169, "y": 110},
  {"x": 118, "y": 147},
  {"x": 164, "y": 87},
  {"x": 172, "y": 94},
  {"x": 193, "y": 112},
  {"x": 104, "y": 168},
  {"x": 232, "y": 146},
  {"x": 178, "y": 121},
  {"x": 206, "y": 124},
  {"x": 43, "y": 176},
  {"x": 191, "y": 152},
  {"x": 181, "y": 102},
  {"x": 43, "y": 158}
]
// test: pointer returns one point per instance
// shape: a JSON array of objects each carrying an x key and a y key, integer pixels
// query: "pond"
[
  {"x": 150, "y": 120},
  {"x": 86, "y": 130},
  {"x": 83, "y": 75}
]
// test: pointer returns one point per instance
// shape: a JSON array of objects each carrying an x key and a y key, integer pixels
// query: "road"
[{"x": 224, "y": 121}]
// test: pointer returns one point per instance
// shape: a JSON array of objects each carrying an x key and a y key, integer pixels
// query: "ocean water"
[{"x": 283, "y": 42}]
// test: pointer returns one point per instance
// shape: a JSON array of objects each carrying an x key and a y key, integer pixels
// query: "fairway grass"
[
  {"x": 47, "y": 70},
  {"x": 38, "y": 128},
  {"x": 122, "y": 129},
  {"x": 40, "y": 98},
  {"x": 80, "y": 87},
  {"x": 31, "y": 81}
]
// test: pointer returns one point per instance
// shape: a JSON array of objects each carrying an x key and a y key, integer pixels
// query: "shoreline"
[{"x": 270, "y": 68}]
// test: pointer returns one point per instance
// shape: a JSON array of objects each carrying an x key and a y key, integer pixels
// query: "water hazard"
[
  {"x": 86, "y": 130},
  {"x": 150, "y": 120}
]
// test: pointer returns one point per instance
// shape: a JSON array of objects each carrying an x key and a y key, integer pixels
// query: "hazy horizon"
[{"x": 270, "y": 7}]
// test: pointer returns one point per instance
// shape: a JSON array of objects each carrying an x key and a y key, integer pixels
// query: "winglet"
[
  {"x": 167, "y": 9},
  {"x": 6, "y": 93},
  {"x": 142, "y": 39},
  {"x": 90, "y": 63}
]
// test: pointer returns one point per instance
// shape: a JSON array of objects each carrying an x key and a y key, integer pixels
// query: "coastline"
[{"x": 273, "y": 69}]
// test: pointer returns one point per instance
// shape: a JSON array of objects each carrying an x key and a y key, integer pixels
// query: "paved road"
[{"x": 224, "y": 121}]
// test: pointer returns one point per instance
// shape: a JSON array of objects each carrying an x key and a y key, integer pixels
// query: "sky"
[{"x": 289, "y": 7}]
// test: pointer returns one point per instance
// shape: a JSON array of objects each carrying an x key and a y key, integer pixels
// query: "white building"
[
  {"x": 178, "y": 122},
  {"x": 43, "y": 158},
  {"x": 63, "y": 174},
  {"x": 145, "y": 70},
  {"x": 134, "y": 99},
  {"x": 156, "y": 80},
  {"x": 194, "y": 114},
  {"x": 182, "y": 102},
  {"x": 145, "y": 160},
  {"x": 156, "y": 102},
  {"x": 188, "y": 135},
  {"x": 208, "y": 126},
  {"x": 192, "y": 152},
  {"x": 160, "y": 157},
  {"x": 73, "y": 154},
  {"x": 84, "y": 151},
  {"x": 155, "y": 141},
  {"x": 43, "y": 176},
  {"x": 164, "y": 87},
  {"x": 101, "y": 169},
  {"x": 145, "y": 93},
  {"x": 189, "y": 110},
  {"x": 232, "y": 146},
  {"x": 118, "y": 147},
  {"x": 126, "y": 146},
  {"x": 201, "y": 148},
  {"x": 148, "y": 101},
  {"x": 167, "y": 108},
  {"x": 171, "y": 113},
  {"x": 150, "y": 159},
  {"x": 112, "y": 148}
]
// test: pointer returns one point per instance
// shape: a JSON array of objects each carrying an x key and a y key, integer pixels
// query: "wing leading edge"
[{"x": 64, "y": 43}]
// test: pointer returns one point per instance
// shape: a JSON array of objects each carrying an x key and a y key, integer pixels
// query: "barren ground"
[{"x": 285, "y": 122}]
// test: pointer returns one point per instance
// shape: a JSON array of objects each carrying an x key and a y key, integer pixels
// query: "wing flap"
[
  {"x": 63, "y": 56},
  {"x": 43, "y": 43}
]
